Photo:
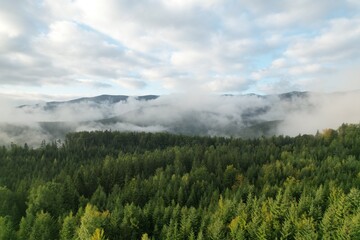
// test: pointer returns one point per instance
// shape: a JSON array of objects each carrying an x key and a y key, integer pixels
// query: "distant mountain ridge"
[
  {"x": 101, "y": 99},
  {"x": 246, "y": 115},
  {"x": 107, "y": 98},
  {"x": 113, "y": 99}
]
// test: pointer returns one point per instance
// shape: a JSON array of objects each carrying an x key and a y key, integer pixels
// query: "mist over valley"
[{"x": 245, "y": 116}]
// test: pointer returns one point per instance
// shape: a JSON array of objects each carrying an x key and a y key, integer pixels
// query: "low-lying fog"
[{"x": 244, "y": 116}]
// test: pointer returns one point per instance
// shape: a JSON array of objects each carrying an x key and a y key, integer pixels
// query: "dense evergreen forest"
[{"x": 112, "y": 185}]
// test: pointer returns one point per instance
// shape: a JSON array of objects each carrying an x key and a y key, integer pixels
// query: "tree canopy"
[{"x": 125, "y": 185}]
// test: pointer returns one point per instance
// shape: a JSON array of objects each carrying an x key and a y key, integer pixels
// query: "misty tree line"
[{"x": 112, "y": 185}]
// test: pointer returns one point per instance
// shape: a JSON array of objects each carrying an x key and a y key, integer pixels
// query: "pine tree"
[
  {"x": 44, "y": 228},
  {"x": 90, "y": 221},
  {"x": 7, "y": 231},
  {"x": 69, "y": 226}
]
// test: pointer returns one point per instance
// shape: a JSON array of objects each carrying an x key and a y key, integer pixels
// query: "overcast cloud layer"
[{"x": 67, "y": 48}]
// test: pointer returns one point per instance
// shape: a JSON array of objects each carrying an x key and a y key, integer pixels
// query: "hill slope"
[{"x": 114, "y": 185}]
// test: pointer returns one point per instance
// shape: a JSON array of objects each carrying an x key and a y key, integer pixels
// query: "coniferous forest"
[{"x": 113, "y": 185}]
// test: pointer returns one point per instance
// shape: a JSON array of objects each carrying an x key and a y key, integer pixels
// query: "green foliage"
[
  {"x": 98, "y": 234},
  {"x": 44, "y": 227},
  {"x": 145, "y": 236},
  {"x": 69, "y": 226},
  {"x": 92, "y": 223},
  {"x": 47, "y": 198},
  {"x": 112, "y": 185},
  {"x": 10, "y": 205},
  {"x": 25, "y": 227},
  {"x": 6, "y": 229}
]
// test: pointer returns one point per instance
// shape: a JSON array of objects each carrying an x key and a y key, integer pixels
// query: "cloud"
[
  {"x": 328, "y": 111},
  {"x": 61, "y": 48},
  {"x": 137, "y": 46},
  {"x": 317, "y": 62},
  {"x": 338, "y": 41},
  {"x": 227, "y": 84},
  {"x": 286, "y": 15},
  {"x": 194, "y": 114}
]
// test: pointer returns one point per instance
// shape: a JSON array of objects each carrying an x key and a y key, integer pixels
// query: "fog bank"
[{"x": 196, "y": 114}]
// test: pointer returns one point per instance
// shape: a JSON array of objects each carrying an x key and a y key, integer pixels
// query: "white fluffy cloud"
[{"x": 218, "y": 46}]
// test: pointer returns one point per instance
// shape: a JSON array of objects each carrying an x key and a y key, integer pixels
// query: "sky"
[{"x": 57, "y": 50}]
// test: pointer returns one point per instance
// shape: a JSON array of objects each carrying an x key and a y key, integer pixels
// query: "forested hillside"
[{"x": 112, "y": 185}]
